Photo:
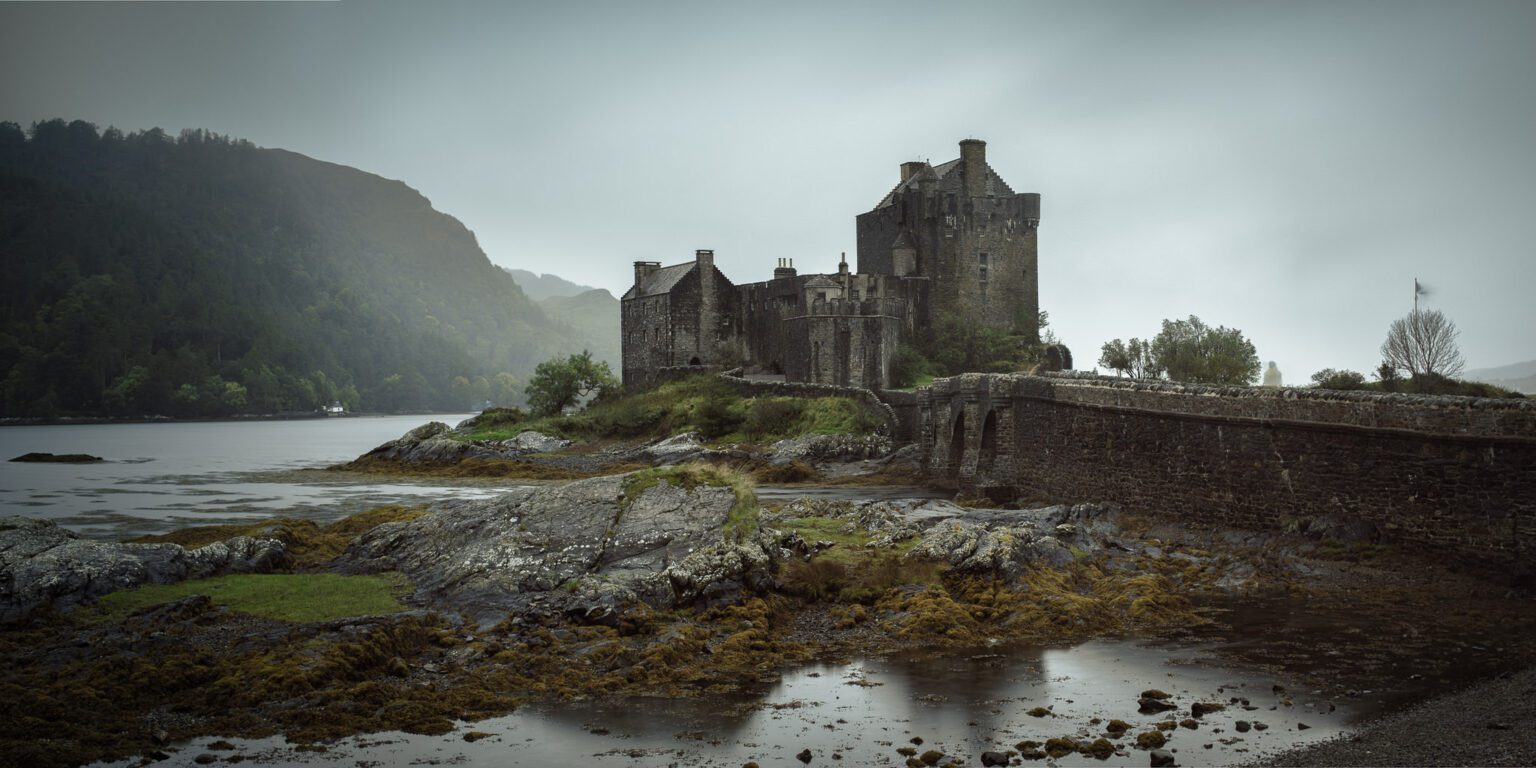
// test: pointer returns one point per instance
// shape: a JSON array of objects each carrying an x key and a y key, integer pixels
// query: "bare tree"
[{"x": 1422, "y": 343}]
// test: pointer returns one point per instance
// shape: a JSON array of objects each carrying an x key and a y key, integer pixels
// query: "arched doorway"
[
  {"x": 987, "y": 455},
  {"x": 694, "y": 360},
  {"x": 957, "y": 443}
]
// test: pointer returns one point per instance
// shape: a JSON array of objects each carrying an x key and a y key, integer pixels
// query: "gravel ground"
[{"x": 1491, "y": 723}]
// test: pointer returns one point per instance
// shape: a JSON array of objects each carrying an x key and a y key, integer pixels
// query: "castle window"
[
  {"x": 983, "y": 274},
  {"x": 982, "y": 258}
]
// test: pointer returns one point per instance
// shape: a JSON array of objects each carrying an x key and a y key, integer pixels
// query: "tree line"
[{"x": 200, "y": 275}]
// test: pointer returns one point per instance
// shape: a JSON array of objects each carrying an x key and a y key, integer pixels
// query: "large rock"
[
  {"x": 529, "y": 441},
  {"x": 676, "y": 449},
  {"x": 584, "y": 549},
  {"x": 43, "y": 565},
  {"x": 435, "y": 443},
  {"x": 1004, "y": 542},
  {"x": 816, "y": 449}
]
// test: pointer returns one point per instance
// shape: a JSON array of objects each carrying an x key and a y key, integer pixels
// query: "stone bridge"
[{"x": 1449, "y": 472}]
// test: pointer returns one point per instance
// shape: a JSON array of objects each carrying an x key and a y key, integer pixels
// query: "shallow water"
[
  {"x": 162, "y": 476},
  {"x": 960, "y": 704}
]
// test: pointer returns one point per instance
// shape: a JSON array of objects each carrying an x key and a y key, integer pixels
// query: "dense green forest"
[{"x": 203, "y": 276}]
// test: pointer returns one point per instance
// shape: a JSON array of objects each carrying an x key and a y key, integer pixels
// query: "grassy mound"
[
  {"x": 287, "y": 597},
  {"x": 701, "y": 403}
]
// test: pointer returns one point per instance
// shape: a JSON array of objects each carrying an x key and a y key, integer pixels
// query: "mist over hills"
[
  {"x": 594, "y": 315},
  {"x": 540, "y": 287},
  {"x": 201, "y": 275},
  {"x": 1520, "y": 377}
]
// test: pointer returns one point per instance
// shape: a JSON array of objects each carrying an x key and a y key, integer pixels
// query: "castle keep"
[{"x": 952, "y": 238}]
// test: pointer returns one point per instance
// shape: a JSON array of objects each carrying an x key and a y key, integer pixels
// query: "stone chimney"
[
  {"x": 786, "y": 268},
  {"x": 909, "y": 169},
  {"x": 973, "y": 156},
  {"x": 643, "y": 269}
]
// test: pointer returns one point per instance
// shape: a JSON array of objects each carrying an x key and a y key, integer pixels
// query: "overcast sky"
[{"x": 1284, "y": 168}]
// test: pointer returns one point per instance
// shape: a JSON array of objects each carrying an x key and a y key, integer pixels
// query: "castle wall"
[
  {"x": 694, "y": 322},
  {"x": 955, "y": 237},
  {"x": 1449, "y": 473},
  {"x": 645, "y": 327},
  {"x": 764, "y": 308},
  {"x": 841, "y": 347}
]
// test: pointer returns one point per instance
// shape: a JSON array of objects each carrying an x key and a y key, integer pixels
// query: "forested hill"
[{"x": 199, "y": 276}]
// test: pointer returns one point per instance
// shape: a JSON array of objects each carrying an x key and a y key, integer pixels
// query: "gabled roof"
[
  {"x": 948, "y": 175},
  {"x": 821, "y": 281},
  {"x": 661, "y": 281}
]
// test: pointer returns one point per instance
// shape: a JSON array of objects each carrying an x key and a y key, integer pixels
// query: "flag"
[{"x": 1419, "y": 289}]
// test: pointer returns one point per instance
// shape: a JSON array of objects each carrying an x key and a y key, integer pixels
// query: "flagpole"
[{"x": 1415, "y": 296}]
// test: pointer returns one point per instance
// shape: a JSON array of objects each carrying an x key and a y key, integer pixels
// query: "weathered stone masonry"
[
  {"x": 949, "y": 239},
  {"x": 1448, "y": 472}
]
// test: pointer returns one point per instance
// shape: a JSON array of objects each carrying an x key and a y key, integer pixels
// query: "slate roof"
[
  {"x": 949, "y": 178},
  {"x": 661, "y": 281}
]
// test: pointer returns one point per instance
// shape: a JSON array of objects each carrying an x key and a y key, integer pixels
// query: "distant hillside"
[
  {"x": 1520, "y": 377},
  {"x": 594, "y": 315},
  {"x": 540, "y": 287},
  {"x": 205, "y": 276}
]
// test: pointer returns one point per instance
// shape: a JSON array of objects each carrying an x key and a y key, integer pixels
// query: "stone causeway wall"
[{"x": 1447, "y": 473}]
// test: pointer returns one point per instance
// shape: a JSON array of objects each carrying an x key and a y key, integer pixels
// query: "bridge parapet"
[{"x": 1433, "y": 471}]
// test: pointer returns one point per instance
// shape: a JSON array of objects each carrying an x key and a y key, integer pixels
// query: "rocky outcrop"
[
  {"x": 59, "y": 458},
  {"x": 1004, "y": 542},
  {"x": 435, "y": 443},
  {"x": 585, "y": 550},
  {"x": 993, "y": 541},
  {"x": 43, "y": 565},
  {"x": 815, "y": 449}
]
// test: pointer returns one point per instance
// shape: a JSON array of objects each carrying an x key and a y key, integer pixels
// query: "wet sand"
[{"x": 1490, "y": 723}]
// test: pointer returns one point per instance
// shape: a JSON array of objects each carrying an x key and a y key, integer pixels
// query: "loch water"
[{"x": 160, "y": 476}]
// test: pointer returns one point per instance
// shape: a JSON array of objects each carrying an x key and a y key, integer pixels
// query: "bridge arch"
[
  {"x": 957, "y": 444},
  {"x": 986, "y": 453}
]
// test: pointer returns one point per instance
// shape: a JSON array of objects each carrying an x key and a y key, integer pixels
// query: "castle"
[{"x": 950, "y": 238}]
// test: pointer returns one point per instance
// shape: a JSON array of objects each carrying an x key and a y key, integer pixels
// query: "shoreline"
[
  {"x": 1490, "y": 722},
  {"x": 67, "y": 421}
]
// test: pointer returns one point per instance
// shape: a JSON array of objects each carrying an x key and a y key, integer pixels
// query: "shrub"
[
  {"x": 773, "y": 416},
  {"x": 908, "y": 366},
  {"x": 1329, "y": 378},
  {"x": 819, "y": 579},
  {"x": 717, "y": 417}
]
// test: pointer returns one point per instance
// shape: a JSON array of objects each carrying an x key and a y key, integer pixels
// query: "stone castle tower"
[
  {"x": 962, "y": 227},
  {"x": 949, "y": 239}
]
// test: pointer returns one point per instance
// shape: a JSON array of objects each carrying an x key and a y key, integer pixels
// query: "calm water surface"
[
  {"x": 863, "y": 711},
  {"x": 157, "y": 477}
]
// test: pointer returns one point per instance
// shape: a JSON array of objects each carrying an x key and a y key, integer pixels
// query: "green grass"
[
  {"x": 812, "y": 529},
  {"x": 285, "y": 597}
]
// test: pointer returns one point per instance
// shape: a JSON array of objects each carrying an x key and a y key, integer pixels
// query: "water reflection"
[{"x": 861, "y": 712}]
